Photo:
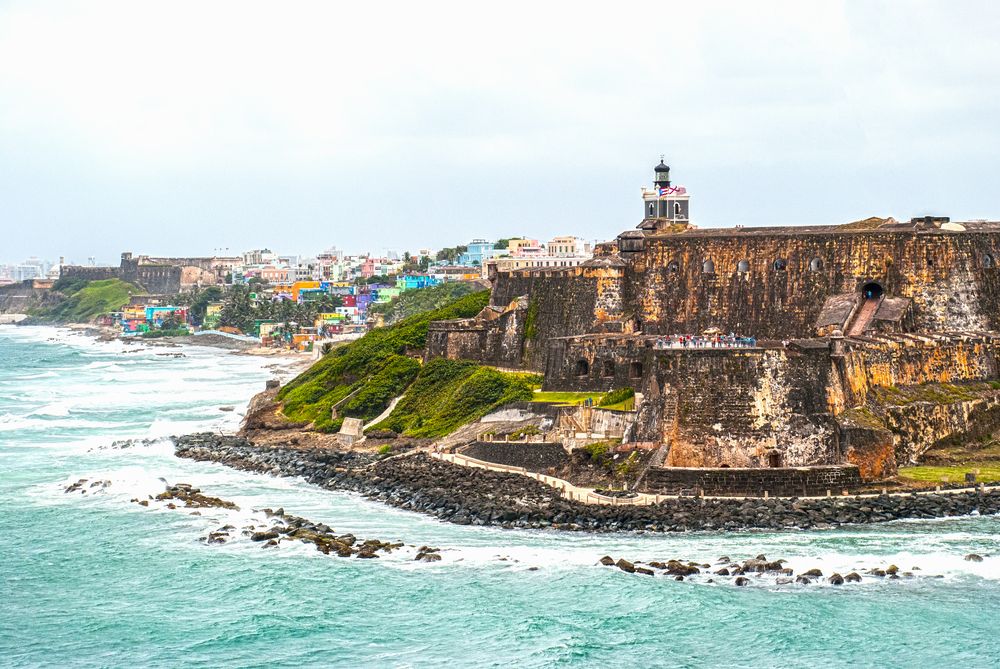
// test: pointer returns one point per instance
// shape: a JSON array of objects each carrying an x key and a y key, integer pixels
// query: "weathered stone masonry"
[{"x": 836, "y": 313}]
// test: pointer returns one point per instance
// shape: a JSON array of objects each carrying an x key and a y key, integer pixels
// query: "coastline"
[{"x": 466, "y": 496}]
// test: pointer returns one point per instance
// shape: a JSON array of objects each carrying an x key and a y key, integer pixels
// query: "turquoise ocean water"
[{"x": 97, "y": 581}]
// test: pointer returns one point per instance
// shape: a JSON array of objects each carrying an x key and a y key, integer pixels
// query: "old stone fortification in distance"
[
  {"x": 862, "y": 344},
  {"x": 159, "y": 276}
]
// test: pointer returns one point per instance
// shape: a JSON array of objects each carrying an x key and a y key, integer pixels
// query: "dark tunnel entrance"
[{"x": 872, "y": 291}]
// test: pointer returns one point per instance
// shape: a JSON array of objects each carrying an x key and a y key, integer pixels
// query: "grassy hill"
[
  {"x": 83, "y": 301},
  {"x": 414, "y": 302},
  {"x": 450, "y": 393},
  {"x": 367, "y": 374}
]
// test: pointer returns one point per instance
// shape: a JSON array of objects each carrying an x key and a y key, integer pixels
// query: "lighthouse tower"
[{"x": 664, "y": 205}]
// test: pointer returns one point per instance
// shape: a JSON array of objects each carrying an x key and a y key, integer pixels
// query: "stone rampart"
[
  {"x": 533, "y": 456},
  {"x": 774, "y": 284},
  {"x": 784, "y": 481}
]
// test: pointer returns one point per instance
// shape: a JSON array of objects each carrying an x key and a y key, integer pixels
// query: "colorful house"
[{"x": 415, "y": 281}]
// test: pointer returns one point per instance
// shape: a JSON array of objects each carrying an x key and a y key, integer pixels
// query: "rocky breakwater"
[
  {"x": 761, "y": 571},
  {"x": 468, "y": 496},
  {"x": 276, "y": 526}
]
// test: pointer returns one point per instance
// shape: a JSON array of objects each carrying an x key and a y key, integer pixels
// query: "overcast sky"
[{"x": 183, "y": 127}]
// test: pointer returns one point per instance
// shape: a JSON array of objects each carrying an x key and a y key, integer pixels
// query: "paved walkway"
[{"x": 589, "y": 496}]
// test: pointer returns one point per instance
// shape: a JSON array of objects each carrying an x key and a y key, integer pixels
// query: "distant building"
[
  {"x": 569, "y": 247},
  {"x": 514, "y": 246},
  {"x": 477, "y": 252}
]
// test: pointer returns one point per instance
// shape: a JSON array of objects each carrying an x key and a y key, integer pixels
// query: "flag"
[{"x": 673, "y": 190}]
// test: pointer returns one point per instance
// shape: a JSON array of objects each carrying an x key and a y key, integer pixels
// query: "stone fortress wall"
[
  {"x": 794, "y": 398},
  {"x": 159, "y": 276}
]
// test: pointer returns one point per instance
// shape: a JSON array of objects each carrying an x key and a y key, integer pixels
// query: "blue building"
[
  {"x": 478, "y": 252},
  {"x": 414, "y": 281}
]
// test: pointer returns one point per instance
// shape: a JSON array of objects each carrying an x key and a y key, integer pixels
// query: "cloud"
[{"x": 433, "y": 122}]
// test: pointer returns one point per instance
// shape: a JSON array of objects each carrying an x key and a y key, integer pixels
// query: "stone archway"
[{"x": 872, "y": 290}]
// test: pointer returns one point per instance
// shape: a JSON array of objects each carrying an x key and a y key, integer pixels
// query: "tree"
[{"x": 200, "y": 301}]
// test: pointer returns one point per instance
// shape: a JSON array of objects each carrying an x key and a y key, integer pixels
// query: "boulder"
[{"x": 625, "y": 565}]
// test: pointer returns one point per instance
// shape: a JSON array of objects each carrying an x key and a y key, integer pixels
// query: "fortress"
[
  {"x": 159, "y": 276},
  {"x": 861, "y": 344}
]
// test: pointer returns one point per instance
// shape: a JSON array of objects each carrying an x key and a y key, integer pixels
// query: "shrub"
[{"x": 617, "y": 397}]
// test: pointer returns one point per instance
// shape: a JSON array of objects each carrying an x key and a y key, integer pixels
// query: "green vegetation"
[
  {"x": 862, "y": 417},
  {"x": 989, "y": 472},
  {"x": 450, "y": 254},
  {"x": 84, "y": 301},
  {"x": 449, "y": 393},
  {"x": 199, "y": 301},
  {"x": 384, "y": 449},
  {"x": 414, "y": 302},
  {"x": 622, "y": 399},
  {"x": 378, "y": 359},
  {"x": 566, "y": 399},
  {"x": 531, "y": 320},
  {"x": 240, "y": 310},
  {"x": 937, "y": 393},
  {"x": 175, "y": 332}
]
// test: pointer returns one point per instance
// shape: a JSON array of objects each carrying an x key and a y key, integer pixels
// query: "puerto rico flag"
[{"x": 673, "y": 190}]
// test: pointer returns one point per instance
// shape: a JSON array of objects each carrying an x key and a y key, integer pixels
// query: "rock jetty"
[
  {"x": 754, "y": 571},
  {"x": 467, "y": 496}
]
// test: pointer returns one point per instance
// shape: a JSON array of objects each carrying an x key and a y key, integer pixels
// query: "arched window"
[
  {"x": 816, "y": 265},
  {"x": 743, "y": 266},
  {"x": 652, "y": 209},
  {"x": 677, "y": 209},
  {"x": 582, "y": 368},
  {"x": 635, "y": 370},
  {"x": 780, "y": 264},
  {"x": 708, "y": 267},
  {"x": 608, "y": 369},
  {"x": 988, "y": 261},
  {"x": 673, "y": 267}
]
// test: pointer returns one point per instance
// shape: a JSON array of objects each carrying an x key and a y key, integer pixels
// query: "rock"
[
  {"x": 722, "y": 572},
  {"x": 644, "y": 570},
  {"x": 853, "y": 577},
  {"x": 678, "y": 578},
  {"x": 625, "y": 565},
  {"x": 972, "y": 557},
  {"x": 428, "y": 557},
  {"x": 804, "y": 580},
  {"x": 741, "y": 581},
  {"x": 783, "y": 581},
  {"x": 607, "y": 561},
  {"x": 813, "y": 573},
  {"x": 264, "y": 536},
  {"x": 836, "y": 579},
  {"x": 891, "y": 570}
]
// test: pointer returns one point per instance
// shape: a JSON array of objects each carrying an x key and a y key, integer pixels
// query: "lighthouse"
[{"x": 664, "y": 204}]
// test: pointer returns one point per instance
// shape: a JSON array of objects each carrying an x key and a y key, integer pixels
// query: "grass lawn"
[
  {"x": 566, "y": 399},
  {"x": 624, "y": 405},
  {"x": 989, "y": 472}
]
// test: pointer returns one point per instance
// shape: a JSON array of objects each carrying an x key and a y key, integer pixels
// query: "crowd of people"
[{"x": 706, "y": 341}]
